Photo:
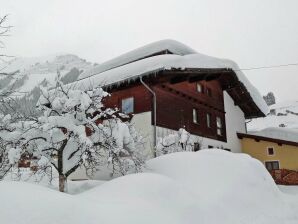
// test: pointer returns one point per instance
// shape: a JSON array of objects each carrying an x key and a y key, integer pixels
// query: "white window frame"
[
  {"x": 268, "y": 151},
  {"x": 199, "y": 87},
  {"x": 195, "y": 116},
  {"x": 272, "y": 161},
  {"x": 220, "y": 128},
  {"x": 133, "y": 105},
  {"x": 208, "y": 120}
]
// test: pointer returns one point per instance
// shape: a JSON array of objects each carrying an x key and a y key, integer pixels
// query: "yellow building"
[{"x": 276, "y": 148}]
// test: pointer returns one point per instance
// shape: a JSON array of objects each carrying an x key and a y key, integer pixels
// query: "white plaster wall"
[
  {"x": 235, "y": 122},
  {"x": 142, "y": 124}
]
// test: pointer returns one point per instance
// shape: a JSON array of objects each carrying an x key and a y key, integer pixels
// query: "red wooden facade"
[{"x": 175, "y": 104}]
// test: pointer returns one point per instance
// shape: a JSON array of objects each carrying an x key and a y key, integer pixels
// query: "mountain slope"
[
  {"x": 31, "y": 73},
  {"x": 284, "y": 114}
]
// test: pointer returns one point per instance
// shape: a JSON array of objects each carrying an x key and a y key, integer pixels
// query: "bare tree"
[{"x": 4, "y": 32}]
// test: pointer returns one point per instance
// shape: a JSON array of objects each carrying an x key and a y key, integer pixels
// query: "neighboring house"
[
  {"x": 277, "y": 148},
  {"x": 167, "y": 85}
]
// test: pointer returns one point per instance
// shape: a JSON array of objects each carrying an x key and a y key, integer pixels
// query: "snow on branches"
[
  {"x": 177, "y": 142},
  {"x": 74, "y": 131}
]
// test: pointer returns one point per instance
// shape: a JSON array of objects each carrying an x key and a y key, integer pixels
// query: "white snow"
[
  {"x": 292, "y": 190},
  {"x": 286, "y": 114},
  {"x": 206, "y": 187},
  {"x": 125, "y": 68},
  {"x": 171, "y": 45},
  {"x": 278, "y": 133},
  {"x": 37, "y": 69}
]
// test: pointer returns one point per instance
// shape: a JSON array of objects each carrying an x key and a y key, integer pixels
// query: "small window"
[
  {"x": 209, "y": 120},
  {"x": 209, "y": 92},
  {"x": 270, "y": 151},
  {"x": 127, "y": 105},
  {"x": 210, "y": 147},
  {"x": 272, "y": 165},
  {"x": 195, "y": 116},
  {"x": 218, "y": 126},
  {"x": 197, "y": 146},
  {"x": 199, "y": 88}
]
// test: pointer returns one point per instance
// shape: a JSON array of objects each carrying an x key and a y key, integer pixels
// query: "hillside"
[
  {"x": 31, "y": 73},
  {"x": 284, "y": 114}
]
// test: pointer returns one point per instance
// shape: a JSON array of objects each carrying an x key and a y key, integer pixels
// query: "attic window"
[{"x": 127, "y": 105}]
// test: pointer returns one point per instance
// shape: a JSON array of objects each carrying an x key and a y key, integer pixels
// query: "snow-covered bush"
[
  {"x": 177, "y": 142},
  {"x": 74, "y": 131}
]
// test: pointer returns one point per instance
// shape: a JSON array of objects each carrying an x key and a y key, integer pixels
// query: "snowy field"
[{"x": 209, "y": 186}]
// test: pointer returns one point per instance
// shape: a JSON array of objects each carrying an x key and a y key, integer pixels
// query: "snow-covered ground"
[
  {"x": 209, "y": 186},
  {"x": 289, "y": 189}
]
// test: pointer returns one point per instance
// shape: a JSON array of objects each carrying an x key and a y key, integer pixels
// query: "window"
[
  {"x": 195, "y": 116},
  {"x": 208, "y": 120},
  {"x": 208, "y": 91},
  {"x": 197, "y": 146},
  {"x": 218, "y": 126},
  {"x": 270, "y": 151},
  {"x": 210, "y": 147},
  {"x": 272, "y": 165},
  {"x": 199, "y": 88},
  {"x": 127, "y": 105}
]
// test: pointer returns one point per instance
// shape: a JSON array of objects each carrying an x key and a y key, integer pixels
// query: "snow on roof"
[
  {"x": 278, "y": 133},
  {"x": 134, "y": 64},
  {"x": 163, "y": 45}
]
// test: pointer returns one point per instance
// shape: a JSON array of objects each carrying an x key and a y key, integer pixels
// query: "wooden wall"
[
  {"x": 175, "y": 103},
  {"x": 142, "y": 98}
]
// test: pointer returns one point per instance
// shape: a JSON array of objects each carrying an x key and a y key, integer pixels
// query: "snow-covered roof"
[
  {"x": 278, "y": 133},
  {"x": 171, "y": 46},
  {"x": 140, "y": 62}
]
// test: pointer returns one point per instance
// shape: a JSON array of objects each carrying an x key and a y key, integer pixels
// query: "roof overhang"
[
  {"x": 268, "y": 139},
  {"x": 226, "y": 77}
]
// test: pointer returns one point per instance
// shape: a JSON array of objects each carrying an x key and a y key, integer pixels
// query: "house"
[
  {"x": 167, "y": 85},
  {"x": 277, "y": 148}
]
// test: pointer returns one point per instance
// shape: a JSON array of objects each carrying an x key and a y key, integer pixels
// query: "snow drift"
[{"x": 209, "y": 186}]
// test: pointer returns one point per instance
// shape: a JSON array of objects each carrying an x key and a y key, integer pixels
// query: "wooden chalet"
[{"x": 167, "y": 85}]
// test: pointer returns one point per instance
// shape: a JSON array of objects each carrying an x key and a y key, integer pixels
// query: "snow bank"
[
  {"x": 206, "y": 187},
  {"x": 235, "y": 187},
  {"x": 24, "y": 203}
]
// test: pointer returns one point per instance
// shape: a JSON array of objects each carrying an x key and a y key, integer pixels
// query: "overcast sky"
[{"x": 253, "y": 33}]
